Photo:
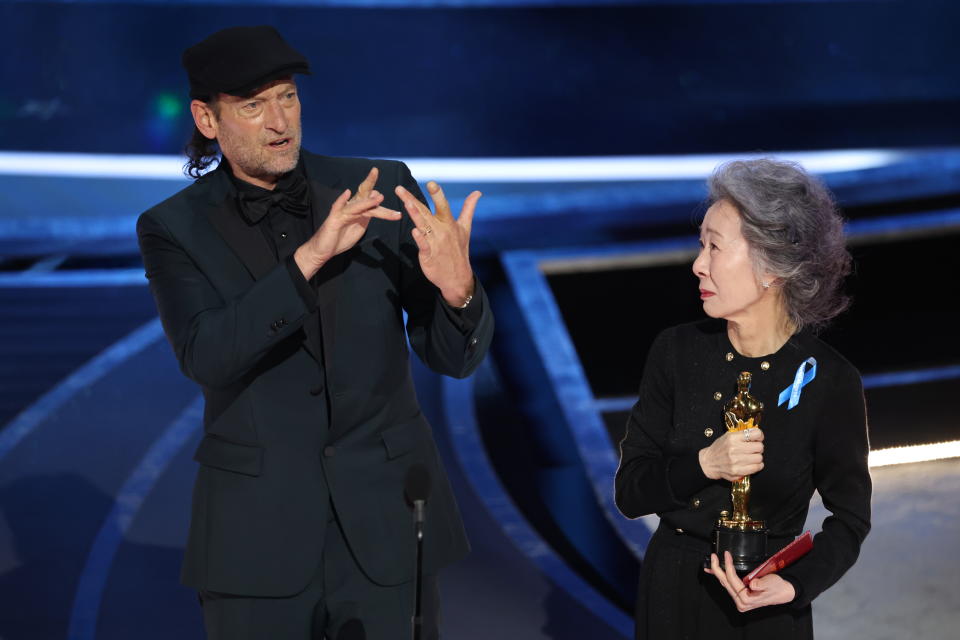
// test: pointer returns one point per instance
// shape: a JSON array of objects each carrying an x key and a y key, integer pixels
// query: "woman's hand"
[
  {"x": 733, "y": 455},
  {"x": 768, "y": 590}
]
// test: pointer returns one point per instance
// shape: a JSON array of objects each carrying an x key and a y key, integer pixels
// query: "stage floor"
[{"x": 905, "y": 582}]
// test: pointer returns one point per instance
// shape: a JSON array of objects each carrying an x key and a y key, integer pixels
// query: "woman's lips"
[{"x": 704, "y": 294}]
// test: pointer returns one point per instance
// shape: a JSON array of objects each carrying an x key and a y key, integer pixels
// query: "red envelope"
[{"x": 783, "y": 558}]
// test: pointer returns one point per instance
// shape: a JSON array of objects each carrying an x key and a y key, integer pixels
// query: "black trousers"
[{"x": 339, "y": 601}]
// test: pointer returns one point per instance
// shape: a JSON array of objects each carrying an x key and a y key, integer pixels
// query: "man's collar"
[
  {"x": 248, "y": 188},
  {"x": 318, "y": 169},
  {"x": 292, "y": 193}
]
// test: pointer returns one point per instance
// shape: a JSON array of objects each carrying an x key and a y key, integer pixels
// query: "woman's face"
[{"x": 729, "y": 286}]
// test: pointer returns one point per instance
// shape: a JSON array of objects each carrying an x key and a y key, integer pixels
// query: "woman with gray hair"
[{"x": 771, "y": 265}]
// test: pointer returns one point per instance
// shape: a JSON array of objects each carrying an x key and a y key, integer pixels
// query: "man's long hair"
[{"x": 200, "y": 150}]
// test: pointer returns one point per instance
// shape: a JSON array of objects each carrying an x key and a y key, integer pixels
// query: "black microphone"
[
  {"x": 352, "y": 630},
  {"x": 417, "y": 490}
]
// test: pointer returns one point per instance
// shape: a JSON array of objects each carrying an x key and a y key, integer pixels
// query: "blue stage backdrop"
[
  {"x": 583, "y": 240},
  {"x": 503, "y": 78}
]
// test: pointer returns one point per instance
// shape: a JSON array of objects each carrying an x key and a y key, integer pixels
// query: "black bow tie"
[{"x": 291, "y": 195}]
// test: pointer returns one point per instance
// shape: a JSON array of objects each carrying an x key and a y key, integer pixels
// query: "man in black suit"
[{"x": 282, "y": 293}]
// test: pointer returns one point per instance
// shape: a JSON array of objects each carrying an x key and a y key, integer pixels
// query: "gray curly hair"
[{"x": 794, "y": 231}]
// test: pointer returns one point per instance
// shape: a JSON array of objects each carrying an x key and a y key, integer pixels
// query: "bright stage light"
[
  {"x": 468, "y": 170},
  {"x": 92, "y": 165},
  {"x": 916, "y": 453},
  {"x": 632, "y": 168}
]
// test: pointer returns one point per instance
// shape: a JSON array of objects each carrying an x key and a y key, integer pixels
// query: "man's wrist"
[
  {"x": 308, "y": 261},
  {"x": 460, "y": 297}
]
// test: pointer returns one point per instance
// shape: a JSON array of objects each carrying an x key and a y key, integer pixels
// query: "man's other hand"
[{"x": 444, "y": 242}]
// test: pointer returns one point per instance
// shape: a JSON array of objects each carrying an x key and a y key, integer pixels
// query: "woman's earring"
[{"x": 766, "y": 285}]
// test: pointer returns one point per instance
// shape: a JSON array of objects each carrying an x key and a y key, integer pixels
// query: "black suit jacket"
[{"x": 270, "y": 464}]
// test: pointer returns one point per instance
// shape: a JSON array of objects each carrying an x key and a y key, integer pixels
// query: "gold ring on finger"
[
  {"x": 742, "y": 589},
  {"x": 428, "y": 230}
]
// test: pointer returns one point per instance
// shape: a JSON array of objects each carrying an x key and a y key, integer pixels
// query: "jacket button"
[
  {"x": 329, "y": 451},
  {"x": 708, "y": 432},
  {"x": 696, "y": 503},
  {"x": 316, "y": 390}
]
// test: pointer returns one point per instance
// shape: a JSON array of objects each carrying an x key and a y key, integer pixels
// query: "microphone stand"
[
  {"x": 418, "y": 517},
  {"x": 417, "y": 490}
]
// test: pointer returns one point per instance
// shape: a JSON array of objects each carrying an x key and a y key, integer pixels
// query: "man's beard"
[{"x": 257, "y": 161}]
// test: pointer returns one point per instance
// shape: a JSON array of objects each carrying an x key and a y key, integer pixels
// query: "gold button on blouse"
[
  {"x": 717, "y": 395},
  {"x": 764, "y": 365},
  {"x": 708, "y": 432},
  {"x": 729, "y": 356}
]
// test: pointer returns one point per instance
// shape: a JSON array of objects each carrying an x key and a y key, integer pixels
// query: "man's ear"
[{"x": 204, "y": 118}]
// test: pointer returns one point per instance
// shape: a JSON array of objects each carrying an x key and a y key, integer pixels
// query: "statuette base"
[{"x": 746, "y": 542}]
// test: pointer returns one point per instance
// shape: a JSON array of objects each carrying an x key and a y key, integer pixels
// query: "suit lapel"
[
  {"x": 248, "y": 243},
  {"x": 245, "y": 240}
]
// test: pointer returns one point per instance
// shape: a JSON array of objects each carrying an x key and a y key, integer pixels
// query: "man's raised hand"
[
  {"x": 344, "y": 226},
  {"x": 443, "y": 242}
]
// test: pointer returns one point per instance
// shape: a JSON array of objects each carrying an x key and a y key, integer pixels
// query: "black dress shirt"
[{"x": 283, "y": 214}]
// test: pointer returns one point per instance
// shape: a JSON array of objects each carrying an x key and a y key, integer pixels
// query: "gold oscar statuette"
[{"x": 736, "y": 532}]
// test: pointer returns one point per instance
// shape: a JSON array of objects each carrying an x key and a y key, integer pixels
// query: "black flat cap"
[{"x": 238, "y": 60}]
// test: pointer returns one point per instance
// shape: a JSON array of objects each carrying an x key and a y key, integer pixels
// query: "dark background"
[{"x": 659, "y": 77}]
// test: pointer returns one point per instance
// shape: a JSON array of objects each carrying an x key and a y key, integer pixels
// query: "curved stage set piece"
[
  {"x": 583, "y": 239},
  {"x": 95, "y": 468}
]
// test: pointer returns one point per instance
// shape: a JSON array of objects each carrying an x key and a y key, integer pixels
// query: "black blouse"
[{"x": 690, "y": 373}]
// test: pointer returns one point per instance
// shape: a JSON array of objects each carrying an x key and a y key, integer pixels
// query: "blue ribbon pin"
[{"x": 802, "y": 379}]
